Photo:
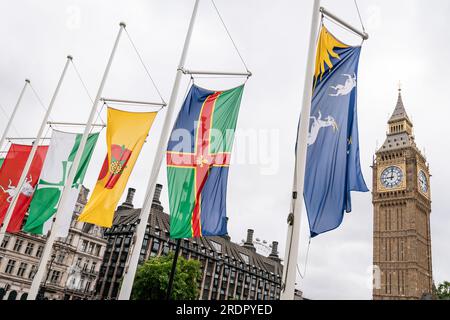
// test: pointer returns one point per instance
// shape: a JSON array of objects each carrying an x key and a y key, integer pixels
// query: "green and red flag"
[
  {"x": 198, "y": 159},
  {"x": 10, "y": 173}
]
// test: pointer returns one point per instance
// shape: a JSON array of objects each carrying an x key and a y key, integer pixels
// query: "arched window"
[
  {"x": 24, "y": 296},
  {"x": 2, "y": 293},
  {"x": 12, "y": 295}
]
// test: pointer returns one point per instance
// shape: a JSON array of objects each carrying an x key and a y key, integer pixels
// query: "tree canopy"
[
  {"x": 443, "y": 291},
  {"x": 152, "y": 279}
]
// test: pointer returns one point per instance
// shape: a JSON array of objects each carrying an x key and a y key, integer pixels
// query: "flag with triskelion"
[
  {"x": 125, "y": 134},
  {"x": 198, "y": 159},
  {"x": 10, "y": 173},
  {"x": 61, "y": 153}
]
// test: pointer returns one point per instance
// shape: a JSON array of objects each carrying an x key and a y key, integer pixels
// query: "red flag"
[{"x": 10, "y": 173}]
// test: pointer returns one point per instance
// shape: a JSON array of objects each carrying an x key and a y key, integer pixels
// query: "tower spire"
[{"x": 399, "y": 111}]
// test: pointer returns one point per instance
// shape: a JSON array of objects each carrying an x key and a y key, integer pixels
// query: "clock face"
[
  {"x": 423, "y": 182},
  {"x": 392, "y": 177}
]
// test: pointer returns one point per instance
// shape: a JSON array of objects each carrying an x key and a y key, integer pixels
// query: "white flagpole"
[
  {"x": 293, "y": 234},
  {"x": 36, "y": 142},
  {"x": 68, "y": 184},
  {"x": 8, "y": 125},
  {"x": 130, "y": 272}
]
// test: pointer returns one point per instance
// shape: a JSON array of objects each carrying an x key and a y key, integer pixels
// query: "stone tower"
[{"x": 402, "y": 206}]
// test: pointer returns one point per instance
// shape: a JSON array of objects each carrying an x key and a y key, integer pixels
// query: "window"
[
  {"x": 84, "y": 245},
  {"x": 85, "y": 265},
  {"x": 18, "y": 245},
  {"x": 39, "y": 251},
  {"x": 91, "y": 247},
  {"x": 5, "y": 241},
  {"x": 10, "y": 267},
  {"x": 94, "y": 264},
  {"x": 55, "y": 277},
  {"x": 217, "y": 246},
  {"x": 97, "y": 249},
  {"x": 245, "y": 258},
  {"x": 22, "y": 268},
  {"x": 79, "y": 262},
  {"x": 61, "y": 257},
  {"x": 32, "y": 272},
  {"x": 69, "y": 239},
  {"x": 29, "y": 248}
]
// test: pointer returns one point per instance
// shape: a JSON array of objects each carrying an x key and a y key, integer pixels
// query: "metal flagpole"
[
  {"x": 19, "y": 186},
  {"x": 8, "y": 125},
  {"x": 68, "y": 184},
  {"x": 130, "y": 272},
  {"x": 293, "y": 234}
]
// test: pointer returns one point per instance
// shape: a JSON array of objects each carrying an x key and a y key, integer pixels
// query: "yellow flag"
[{"x": 125, "y": 135}]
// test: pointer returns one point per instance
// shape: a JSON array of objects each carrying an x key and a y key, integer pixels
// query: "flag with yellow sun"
[{"x": 125, "y": 135}]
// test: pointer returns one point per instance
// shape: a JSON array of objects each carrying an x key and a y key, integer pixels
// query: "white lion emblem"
[{"x": 27, "y": 189}]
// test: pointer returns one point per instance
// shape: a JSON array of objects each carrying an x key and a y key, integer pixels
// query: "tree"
[
  {"x": 443, "y": 291},
  {"x": 152, "y": 279}
]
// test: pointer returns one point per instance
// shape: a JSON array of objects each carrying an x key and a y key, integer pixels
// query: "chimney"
[
  {"x": 274, "y": 254},
  {"x": 249, "y": 242},
  {"x": 128, "y": 204},
  {"x": 156, "y": 203},
  {"x": 226, "y": 236}
]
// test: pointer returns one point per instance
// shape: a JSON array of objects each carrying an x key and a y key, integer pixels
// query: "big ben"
[{"x": 401, "y": 199}]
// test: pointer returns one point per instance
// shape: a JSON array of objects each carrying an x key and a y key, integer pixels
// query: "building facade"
[
  {"x": 229, "y": 270},
  {"x": 402, "y": 207},
  {"x": 72, "y": 270}
]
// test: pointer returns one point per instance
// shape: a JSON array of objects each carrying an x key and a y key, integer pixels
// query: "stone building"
[
  {"x": 73, "y": 267},
  {"x": 402, "y": 209},
  {"x": 229, "y": 270}
]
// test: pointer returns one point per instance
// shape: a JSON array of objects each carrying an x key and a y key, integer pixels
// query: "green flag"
[{"x": 61, "y": 153}]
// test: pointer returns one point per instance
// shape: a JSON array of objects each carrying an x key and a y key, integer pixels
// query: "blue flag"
[{"x": 333, "y": 167}]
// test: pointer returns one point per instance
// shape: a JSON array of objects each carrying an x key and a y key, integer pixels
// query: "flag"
[
  {"x": 198, "y": 159},
  {"x": 1, "y": 162},
  {"x": 333, "y": 167},
  {"x": 125, "y": 135},
  {"x": 61, "y": 153},
  {"x": 10, "y": 173}
]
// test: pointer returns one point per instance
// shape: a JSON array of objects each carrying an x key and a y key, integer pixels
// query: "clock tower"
[{"x": 402, "y": 206}]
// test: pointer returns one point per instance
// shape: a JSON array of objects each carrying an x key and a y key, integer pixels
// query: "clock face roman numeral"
[{"x": 391, "y": 177}]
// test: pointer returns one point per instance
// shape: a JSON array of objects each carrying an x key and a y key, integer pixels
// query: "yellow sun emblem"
[{"x": 325, "y": 51}]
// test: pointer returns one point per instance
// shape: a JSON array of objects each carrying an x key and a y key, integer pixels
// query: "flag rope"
[
  {"x": 144, "y": 66},
  {"x": 229, "y": 35},
  {"x": 39, "y": 99},
  {"x": 6, "y": 117},
  {"x": 86, "y": 90},
  {"x": 306, "y": 262},
  {"x": 359, "y": 15}
]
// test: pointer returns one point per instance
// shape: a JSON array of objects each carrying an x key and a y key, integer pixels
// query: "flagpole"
[
  {"x": 68, "y": 184},
  {"x": 294, "y": 223},
  {"x": 8, "y": 125},
  {"x": 130, "y": 271},
  {"x": 33, "y": 151}
]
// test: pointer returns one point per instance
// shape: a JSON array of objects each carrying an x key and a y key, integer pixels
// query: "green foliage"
[
  {"x": 152, "y": 279},
  {"x": 443, "y": 291}
]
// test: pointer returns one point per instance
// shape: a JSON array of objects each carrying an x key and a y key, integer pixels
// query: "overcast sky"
[{"x": 407, "y": 42}]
